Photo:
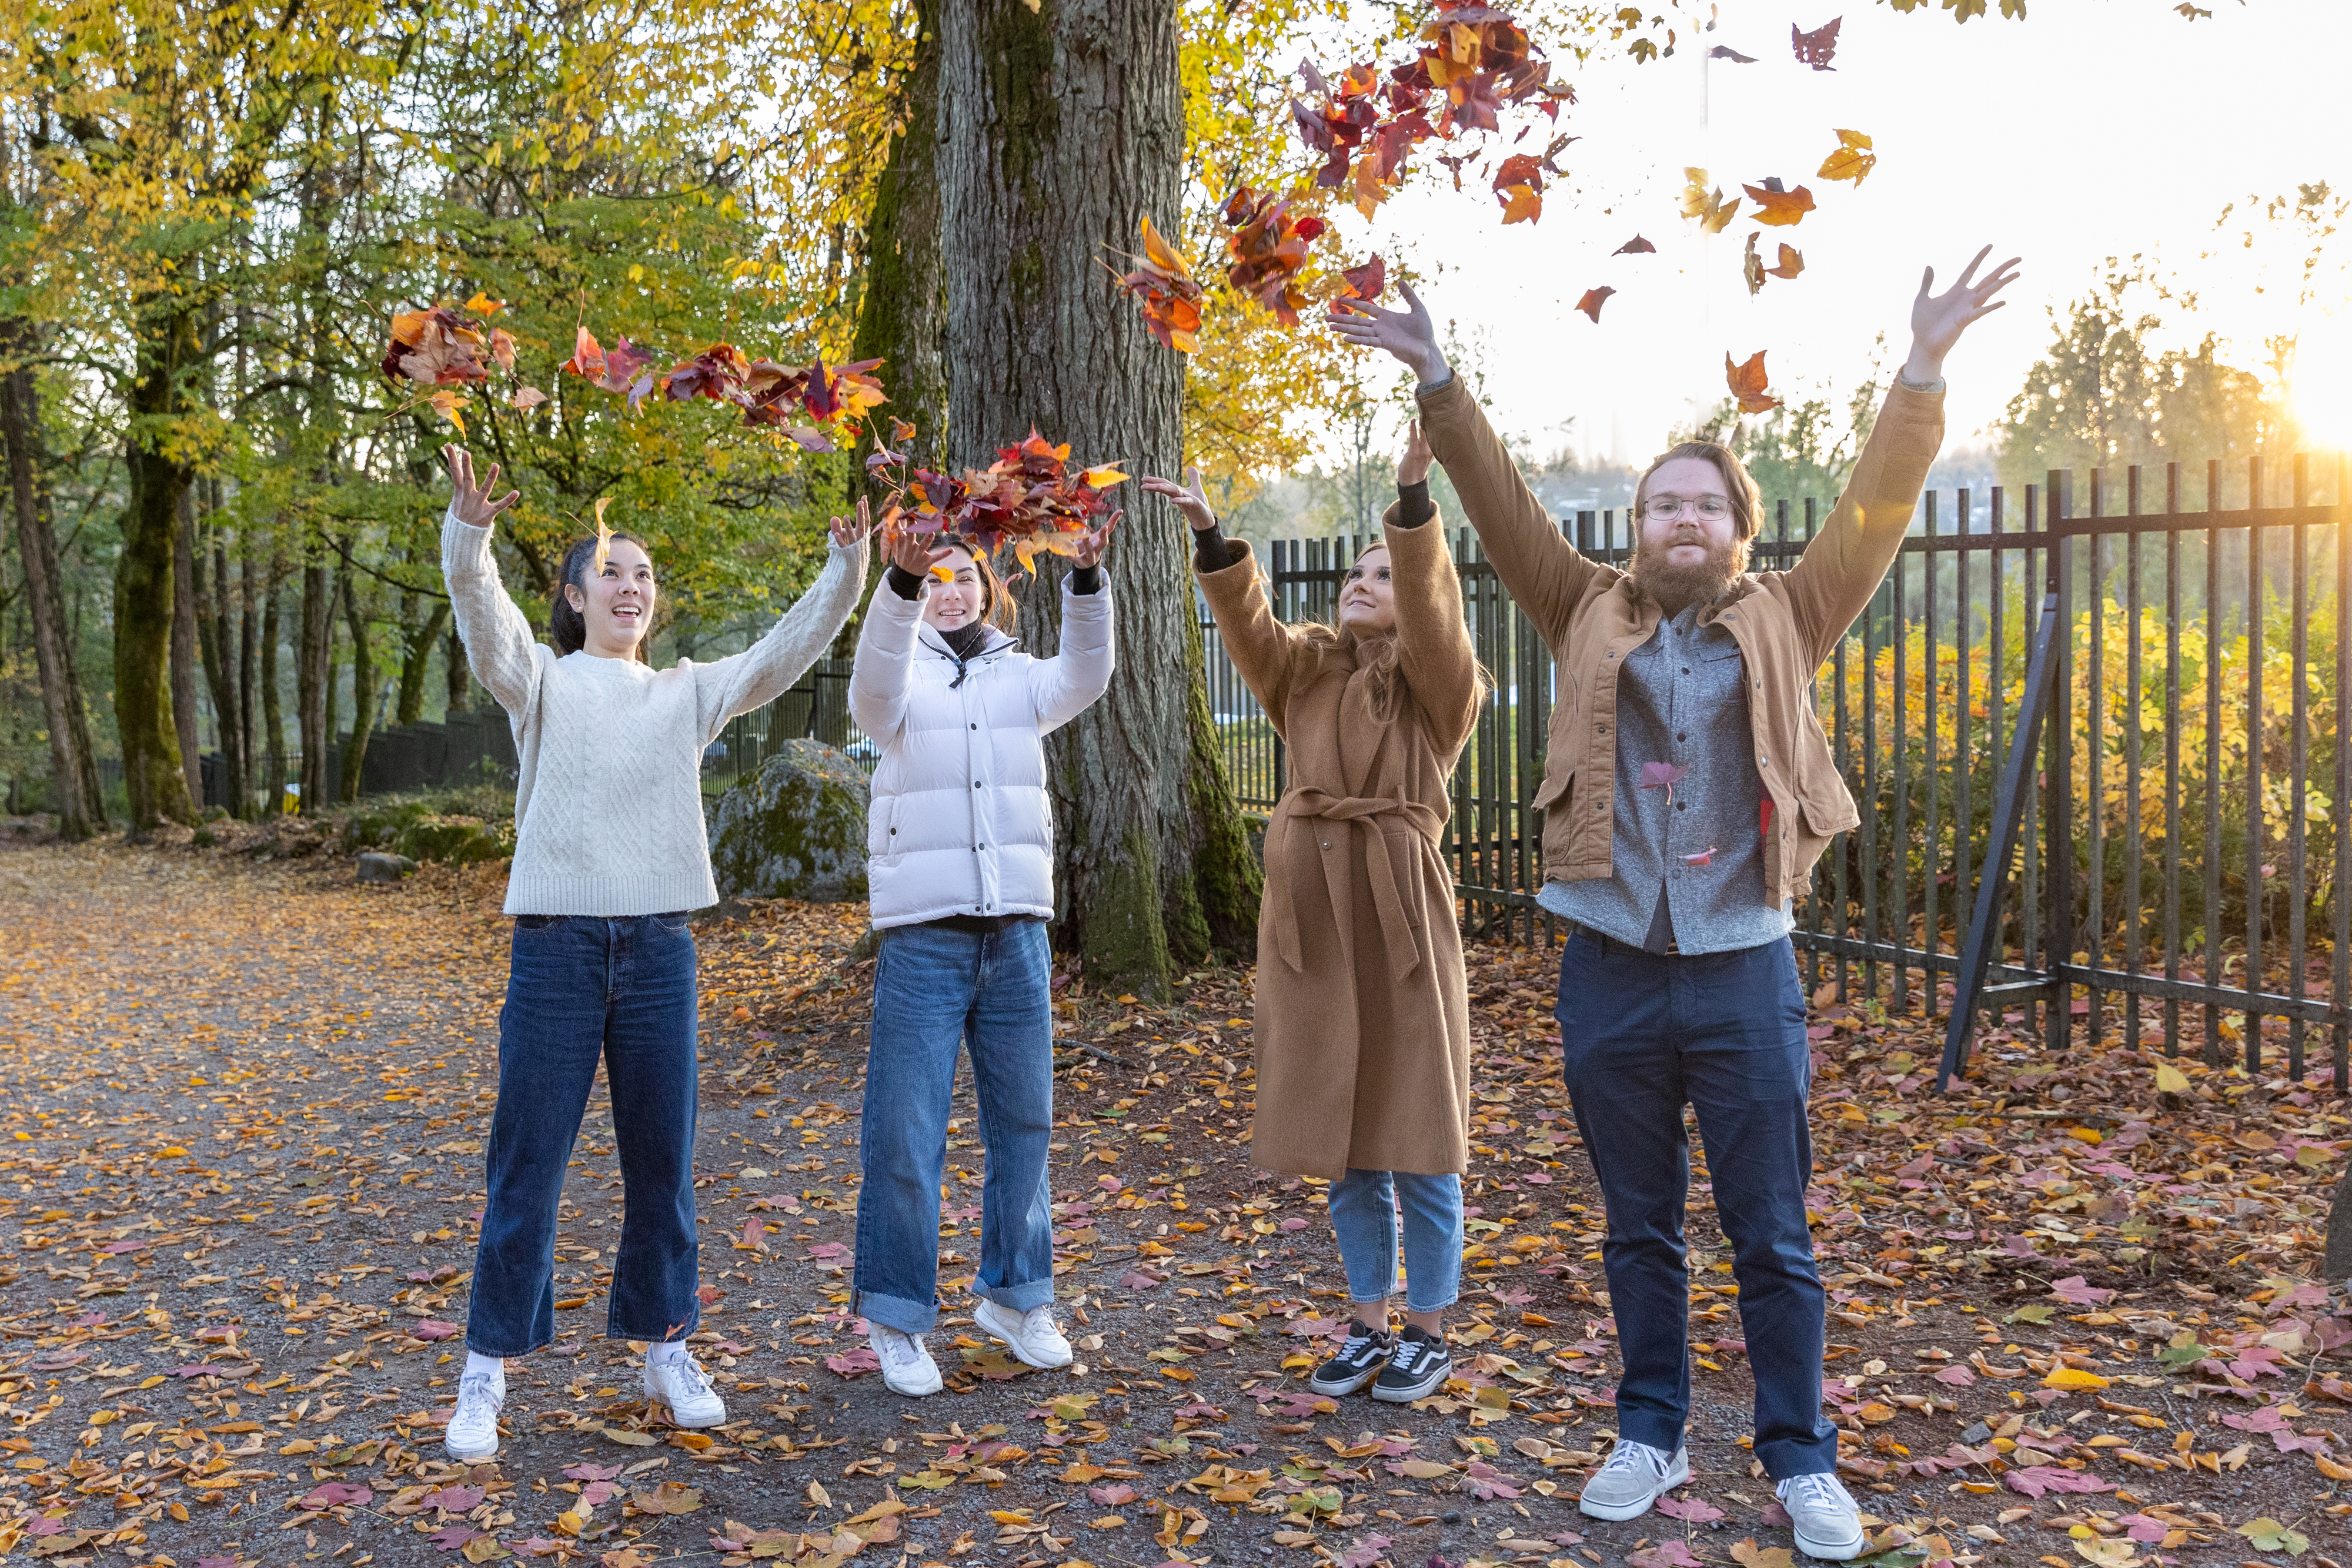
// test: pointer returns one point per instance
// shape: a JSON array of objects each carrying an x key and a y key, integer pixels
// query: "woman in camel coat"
[{"x": 1363, "y": 1026}]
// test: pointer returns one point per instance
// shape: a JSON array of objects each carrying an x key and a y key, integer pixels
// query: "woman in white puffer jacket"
[{"x": 960, "y": 869}]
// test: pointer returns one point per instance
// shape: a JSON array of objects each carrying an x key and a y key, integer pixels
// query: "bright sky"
[{"x": 2096, "y": 128}]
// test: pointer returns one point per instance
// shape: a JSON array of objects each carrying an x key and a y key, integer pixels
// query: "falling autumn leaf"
[
  {"x": 1852, "y": 160},
  {"x": 1790, "y": 263},
  {"x": 1162, "y": 284},
  {"x": 1637, "y": 245},
  {"x": 1726, "y": 52},
  {"x": 1591, "y": 302},
  {"x": 1709, "y": 207},
  {"x": 1369, "y": 281},
  {"x": 1782, "y": 207},
  {"x": 1814, "y": 48},
  {"x": 1746, "y": 380}
]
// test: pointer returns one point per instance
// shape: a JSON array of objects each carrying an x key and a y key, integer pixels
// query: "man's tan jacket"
[{"x": 1786, "y": 624}]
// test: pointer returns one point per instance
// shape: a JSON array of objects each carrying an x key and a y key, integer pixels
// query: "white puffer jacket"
[{"x": 961, "y": 824}]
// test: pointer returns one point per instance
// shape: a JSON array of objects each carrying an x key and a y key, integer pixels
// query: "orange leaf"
[
  {"x": 483, "y": 305},
  {"x": 587, "y": 356},
  {"x": 1781, "y": 207},
  {"x": 1791, "y": 262},
  {"x": 1746, "y": 382},
  {"x": 450, "y": 405},
  {"x": 1522, "y": 204},
  {"x": 1591, "y": 302}
]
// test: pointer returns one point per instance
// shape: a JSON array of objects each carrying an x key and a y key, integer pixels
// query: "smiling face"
[
  {"x": 1368, "y": 596},
  {"x": 1689, "y": 551},
  {"x": 963, "y": 599},
  {"x": 616, "y": 606}
]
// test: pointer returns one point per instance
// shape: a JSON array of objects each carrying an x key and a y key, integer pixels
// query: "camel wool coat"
[{"x": 1363, "y": 1024}]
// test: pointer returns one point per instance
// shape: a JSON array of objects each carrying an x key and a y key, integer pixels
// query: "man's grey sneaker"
[
  {"x": 1829, "y": 1525},
  {"x": 1362, "y": 1356},
  {"x": 906, "y": 1365},
  {"x": 687, "y": 1390},
  {"x": 1635, "y": 1477},
  {"x": 1417, "y": 1368},
  {"x": 473, "y": 1432}
]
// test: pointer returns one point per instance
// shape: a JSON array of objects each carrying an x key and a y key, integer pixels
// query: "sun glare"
[{"x": 2322, "y": 393}]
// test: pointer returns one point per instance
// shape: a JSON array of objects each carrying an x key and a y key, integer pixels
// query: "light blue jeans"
[
  {"x": 937, "y": 991},
  {"x": 1364, "y": 1206}
]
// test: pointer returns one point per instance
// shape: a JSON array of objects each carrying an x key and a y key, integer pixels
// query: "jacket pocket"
[{"x": 882, "y": 828}]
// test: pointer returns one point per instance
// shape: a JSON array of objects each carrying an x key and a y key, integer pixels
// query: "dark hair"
[
  {"x": 566, "y": 627},
  {"x": 996, "y": 606},
  {"x": 1746, "y": 503}
]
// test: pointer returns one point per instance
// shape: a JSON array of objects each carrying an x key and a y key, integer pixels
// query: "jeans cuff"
[
  {"x": 895, "y": 1312},
  {"x": 664, "y": 1334},
  {"x": 1785, "y": 1459},
  {"x": 1019, "y": 1298},
  {"x": 1413, "y": 1306},
  {"x": 1657, "y": 1431},
  {"x": 473, "y": 1349}
]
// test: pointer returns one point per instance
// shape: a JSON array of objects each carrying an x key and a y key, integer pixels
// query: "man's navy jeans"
[
  {"x": 580, "y": 989},
  {"x": 1642, "y": 1034}
]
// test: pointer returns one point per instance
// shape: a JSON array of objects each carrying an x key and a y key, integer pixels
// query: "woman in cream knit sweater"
[{"x": 610, "y": 855}]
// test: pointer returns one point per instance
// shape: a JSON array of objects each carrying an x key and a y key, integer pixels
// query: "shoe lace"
[
  {"x": 690, "y": 1371},
  {"x": 1038, "y": 1319},
  {"x": 478, "y": 1390},
  {"x": 1359, "y": 1338},
  {"x": 1410, "y": 1352},
  {"x": 1818, "y": 1490},
  {"x": 1630, "y": 1455},
  {"x": 896, "y": 1347}
]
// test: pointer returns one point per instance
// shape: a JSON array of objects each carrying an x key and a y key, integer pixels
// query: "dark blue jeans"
[
  {"x": 1642, "y": 1034},
  {"x": 937, "y": 991},
  {"x": 582, "y": 987}
]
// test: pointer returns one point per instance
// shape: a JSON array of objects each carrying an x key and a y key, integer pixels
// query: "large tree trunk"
[
  {"x": 73, "y": 771},
  {"x": 158, "y": 487},
  {"x": 184, "y": 646},
  {"x": 1060, "y": 128},
  {"x": 902, "y": 308},
  {"x": 312, "y": 675},
  {"x": 273, "y": 716},
  {"x": 419, "y": 637},
  {"x": 363, "y": 686}
]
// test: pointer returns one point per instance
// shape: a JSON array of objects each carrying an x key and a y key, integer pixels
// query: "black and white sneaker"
[
  {"x": 1418, "y": 1369},
  {"x": 1360, "y": 1359}
]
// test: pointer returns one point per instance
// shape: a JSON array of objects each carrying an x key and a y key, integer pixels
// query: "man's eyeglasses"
[{"x": 1666, "y": 508}]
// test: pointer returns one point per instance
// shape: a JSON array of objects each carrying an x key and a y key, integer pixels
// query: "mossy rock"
[
  {"x": 795, "y": 829},
  {"x": 453, "y": 840}
]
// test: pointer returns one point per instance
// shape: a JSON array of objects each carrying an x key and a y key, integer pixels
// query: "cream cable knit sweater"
[{"x": 608, "y": 810}]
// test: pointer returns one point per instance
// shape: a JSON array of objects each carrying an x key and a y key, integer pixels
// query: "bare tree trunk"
[
  {"x": 273, "y": 718},
  {"x": 73, "y": 771},
  {"x": 363, "y": 687},
  {"x": 216, "y": 641},
  {"x": 143, "y": 617},
  {"x": 247, "y": 675},
  {"x": 419, "y": 637},
  {"x": 1060, "y": 129},
  {"x": 312, "y": 675},
  {"x": 184, "y": 646},
  {"x": 902, "y": 308}
]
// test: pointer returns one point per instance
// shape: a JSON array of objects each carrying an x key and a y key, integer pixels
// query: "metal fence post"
[{"x": 2058, "y": 818}]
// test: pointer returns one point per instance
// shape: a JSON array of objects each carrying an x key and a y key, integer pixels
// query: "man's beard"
[{"x": 1677, "y": 587}]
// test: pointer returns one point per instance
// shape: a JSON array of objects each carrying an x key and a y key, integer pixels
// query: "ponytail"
[{"x": 566, "y": 627}]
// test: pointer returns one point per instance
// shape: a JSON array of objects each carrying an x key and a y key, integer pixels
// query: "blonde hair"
[
  {"x": 1338, "y": 647},
  {"x": 1747, "y": 501}
]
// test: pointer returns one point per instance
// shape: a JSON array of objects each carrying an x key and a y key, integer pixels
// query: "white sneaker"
[
  {"x": 1635, "y": 1477},
  {"x": 1032, "y": 1335},
  {"x": 1828, "y": 1524},
  {"x": 906, "y": 1365},
  {"x": 472, "y": 1431},
  {"x": 686, "y": 1388}
]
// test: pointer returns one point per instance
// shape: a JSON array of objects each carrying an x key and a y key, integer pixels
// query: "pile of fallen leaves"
[{"x": 2074, "y": 1310}]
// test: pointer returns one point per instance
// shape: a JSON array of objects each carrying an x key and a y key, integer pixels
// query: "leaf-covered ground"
[{"x": 2074, "y": 1317}]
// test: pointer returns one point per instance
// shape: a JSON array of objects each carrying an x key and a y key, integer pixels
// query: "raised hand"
[
  {"x": 1413, "y": 466},
  {"x": 472, "y": 503},
  {"x": 1408, "y": 334},
  {"x": 911, "y": 552},
  {"x": 846, "y": 532},
  {"x": 1089, "y": 547},
  {"x": 1189, "y": 498},
  {"x": 1938, "y": 319}
]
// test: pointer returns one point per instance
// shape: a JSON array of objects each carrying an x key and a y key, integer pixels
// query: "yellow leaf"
[
  {"x": 1010, "y": 1516},
  {"x": 2170, "y": 1079},
  {"x": 483, "y": 305},
  {"x": 2073, "y": 1377},
  {"x": 1102, "y": 478},
  {"x": 450, "y": 405},
  {"x": 1750, "y": 1555},
  {"x": 1161, "y": 254},
  {"x": 2331, "y": 1469},
  {"x": 1853, "y": 160},
  {"x": 634, "y": 1439},
  {"x": 818, "y": 1495},
  {"x": 604, "y": 539}
]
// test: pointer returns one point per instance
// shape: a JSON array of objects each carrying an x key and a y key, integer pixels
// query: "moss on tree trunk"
[{"x": 151, "y": 765}]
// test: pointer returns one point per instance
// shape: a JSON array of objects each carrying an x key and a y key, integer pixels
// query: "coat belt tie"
[{"x": 1312, "y": 808}]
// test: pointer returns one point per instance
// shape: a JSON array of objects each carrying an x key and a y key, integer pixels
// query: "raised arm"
[
  {"x": 774, "y": 664},
  {"x": 1262, "y": 649},
  {"x": 1543, "y": 572},
  {"x": 499, "y": 645},
  {"x": 1433, "y": 648},
  {"x": 1838, "y": 571},
  {"x": 1065, "y": 685}
]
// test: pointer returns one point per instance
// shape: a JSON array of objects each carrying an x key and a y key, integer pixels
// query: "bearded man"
[{"x": 1687, "y": 792}]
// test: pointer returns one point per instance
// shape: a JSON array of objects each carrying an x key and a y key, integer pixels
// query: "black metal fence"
[
  {"x": 2180, "y": 868},
  {"x": 817, "y": 708}
]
